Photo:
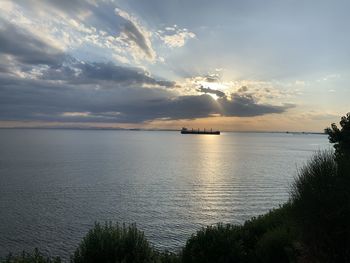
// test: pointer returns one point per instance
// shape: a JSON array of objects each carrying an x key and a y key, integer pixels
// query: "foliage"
[
  {"x": 267, "y": 238},
  {"x": 273, "y": 231},
  {"x": 114, "y": 243},
  {"x": 220, "y": 243},
  {"x": 321, "y": 203},
  {"x": 276, "y": 245},
  {"x": 340, "y": 137},
  {"x": 35, "y": 257},
  {"x": 168, "y": 257}
]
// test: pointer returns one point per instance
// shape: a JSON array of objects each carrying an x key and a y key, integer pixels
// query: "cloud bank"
[{"x": 41, "y": 82}]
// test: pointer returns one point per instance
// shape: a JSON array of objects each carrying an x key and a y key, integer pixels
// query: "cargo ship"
[{"x": 198, "y": 131}]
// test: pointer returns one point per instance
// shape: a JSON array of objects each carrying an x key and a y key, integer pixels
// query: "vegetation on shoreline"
[
  {"x": 114, "y": 243},
  {"x": 313, "y": 226}
]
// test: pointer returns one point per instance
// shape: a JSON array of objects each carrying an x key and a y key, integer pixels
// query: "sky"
[{"x": 231, "y": 65}]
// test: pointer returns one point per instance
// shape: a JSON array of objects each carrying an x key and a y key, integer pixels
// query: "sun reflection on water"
[{"x": 208, "y": 189}]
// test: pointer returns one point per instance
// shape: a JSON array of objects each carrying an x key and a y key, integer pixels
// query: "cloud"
[
  {"x": 114, "y": 99},
  {"x": 77, "y": 72},
  {"x": 71, "y": 7},
  {"x": 28, "y": 99},
  {"x": 175, "y": 37},
  {"x": 244, "y": 105},
  {"x": 136, "y": 36},
  {"x": 212, "y": 91},
  {"x": 245, "y": 89},
  {"x": 40, "y": 82},
  {"x": 89, "y": 30},
  {"x": 212, "y": 77},
  {"x": 26, "y": 48}
]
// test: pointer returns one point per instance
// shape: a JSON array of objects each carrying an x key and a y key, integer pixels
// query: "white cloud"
[
  {"x": 135, "y": 38},
  {"x": 121, "y": 59},
  {"x": 76, "y": 114},
  {"x": 74, "y": 33},
  {"x": 175, "y": 37}
]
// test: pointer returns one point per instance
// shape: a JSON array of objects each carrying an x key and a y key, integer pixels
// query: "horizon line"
[{"x": 149, "y": 129}]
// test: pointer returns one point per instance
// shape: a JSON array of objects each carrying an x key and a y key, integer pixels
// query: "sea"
[{"x": 56, "y": 183}]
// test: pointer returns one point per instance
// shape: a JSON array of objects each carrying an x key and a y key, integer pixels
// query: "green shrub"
[
  {"x": 340, "y": 138},
  {"x": 113, "y": 244},
  {"x": 276, "y": 245},
  {"x": 256, "y": 227},
  {"x": 168, "y": 257},
  {"x": 273, "y": 231},
  {"x": 35, "y": 257},
  {"x": 321, "y": 200},
  {"x": 266, "y": 238},
  {"x": 220, "y": 243}
]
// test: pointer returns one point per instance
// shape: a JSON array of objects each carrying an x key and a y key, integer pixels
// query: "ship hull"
[{"x": 201, "y": 132}]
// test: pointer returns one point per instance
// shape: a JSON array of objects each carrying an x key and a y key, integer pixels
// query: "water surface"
[{"x": 54, "y": 184}]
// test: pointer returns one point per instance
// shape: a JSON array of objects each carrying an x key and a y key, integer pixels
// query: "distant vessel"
[{"x": 187, "y": 131}]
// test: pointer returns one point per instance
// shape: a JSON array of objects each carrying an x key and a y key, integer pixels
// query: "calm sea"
[{"x": 54, "y": 184}]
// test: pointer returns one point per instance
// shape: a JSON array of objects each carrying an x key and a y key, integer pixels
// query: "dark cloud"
[
  {"x": 26, "y": 48},
  {"x": 136, "y": 36},
  {"x": 76, "y": 72},
  {"x": 24, "y": 99},
  {"x": 212, "y": 78},
  {"x": 110, "y": 72},
  {"x": 182, "y": 107},
  {"x": 246, "y": 106},
  {"x": 4, "y": 64},
  {"x": 212, "y": 91}
]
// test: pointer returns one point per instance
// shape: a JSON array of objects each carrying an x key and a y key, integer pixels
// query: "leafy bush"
[
  {"x": 35, "y": 257},
  {"x": 340, "y": 138},
  {"x": 168, "y": 257},
  {"x": 276, "y": 245},
  {"x": 266, "y": 238},
  {"x": 274, "y": 231},
  {"x": 257, "y": 226},
  {"x": 321, "y": 200},
  {"x": 220, "y": 243},
  {"x": 114, "y": 244}
]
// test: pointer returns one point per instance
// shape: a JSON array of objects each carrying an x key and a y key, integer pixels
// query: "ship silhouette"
[{"x": 198, "y": 131}]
